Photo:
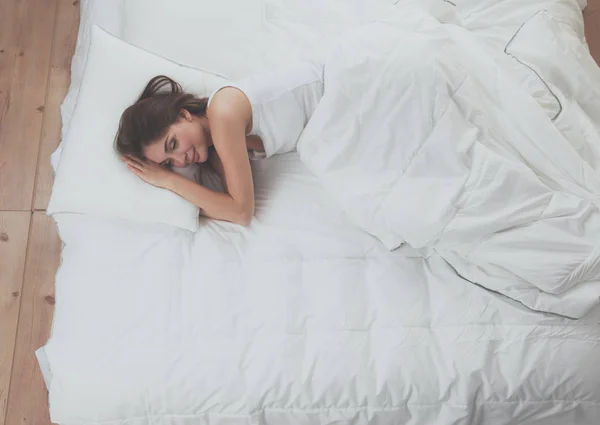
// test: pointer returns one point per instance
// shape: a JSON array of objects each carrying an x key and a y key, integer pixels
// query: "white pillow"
[
  {"x": 108, "y": 15},
  {"x": 91, "y": 177}
]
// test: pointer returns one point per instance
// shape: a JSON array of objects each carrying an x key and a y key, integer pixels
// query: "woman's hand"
[{"x": 148, "y": 171}]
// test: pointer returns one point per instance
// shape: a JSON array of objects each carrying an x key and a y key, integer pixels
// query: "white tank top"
[{"x": 282, "y": 102}]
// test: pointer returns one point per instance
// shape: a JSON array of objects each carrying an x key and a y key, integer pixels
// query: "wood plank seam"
[
  {"x": 28, "y": 398},
  {"x": 18, "y": 313},
  {"x": 32, "y": 22},
  {"x": 65, "y": 40},
  {"x": 48, "y": 88}
]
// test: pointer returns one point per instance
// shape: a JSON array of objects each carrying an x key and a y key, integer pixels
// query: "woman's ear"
[{"x": 185, "y": 114}]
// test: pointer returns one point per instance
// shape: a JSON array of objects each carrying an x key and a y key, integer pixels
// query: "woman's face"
[{"x": 185, "y": 142}]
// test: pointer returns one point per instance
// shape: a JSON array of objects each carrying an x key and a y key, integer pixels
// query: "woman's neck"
[{"x": 203, "y": 122}]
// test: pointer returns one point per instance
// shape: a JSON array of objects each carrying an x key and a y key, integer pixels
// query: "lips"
[{"x": 192, "y": 156}]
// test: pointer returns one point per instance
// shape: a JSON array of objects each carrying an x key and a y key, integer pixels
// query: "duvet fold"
[{"x": 424, "y": 136}]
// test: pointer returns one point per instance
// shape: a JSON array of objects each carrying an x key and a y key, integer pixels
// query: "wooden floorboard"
[
  {"x": 12, "y": 12},
  {"x": 14, "y": 230},
  {"x": 25, "y": 75},
  {"x": 28, "y": 397},
  {"x": 63, "y": 46}
]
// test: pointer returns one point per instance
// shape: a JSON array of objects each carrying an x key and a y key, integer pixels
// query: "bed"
[{"x": 303, "y": 317}]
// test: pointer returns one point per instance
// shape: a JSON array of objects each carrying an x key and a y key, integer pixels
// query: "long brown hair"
[{"x": 158, "y": 107}]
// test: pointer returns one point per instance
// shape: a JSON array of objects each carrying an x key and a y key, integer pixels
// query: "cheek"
[
  {"x": 185, "y": 144},
  {"x": 193, "y": 137},
  {"x": 186, "y": 140}
]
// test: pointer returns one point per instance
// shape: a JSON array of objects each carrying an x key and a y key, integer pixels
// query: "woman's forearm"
[{"x": 220, "y": 206}]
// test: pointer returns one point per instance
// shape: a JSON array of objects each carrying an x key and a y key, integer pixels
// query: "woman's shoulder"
[
  {"x": 230, "y": 106},
  {"x": 228, "y": 101}
]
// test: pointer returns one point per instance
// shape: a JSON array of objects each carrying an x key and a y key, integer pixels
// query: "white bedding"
[
  {"x": 303, "y": 318},
  {"x": 424, "y": 137}
]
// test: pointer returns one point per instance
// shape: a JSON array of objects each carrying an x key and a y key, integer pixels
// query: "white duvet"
[
  {"x": 423, "y": 137},
  {"x": 306, "y": 317}
]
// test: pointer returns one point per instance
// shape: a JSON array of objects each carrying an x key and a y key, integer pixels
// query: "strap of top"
[{"x": 218, "y": 89}]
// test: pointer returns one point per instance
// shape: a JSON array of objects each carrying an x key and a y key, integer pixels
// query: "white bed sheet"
[{"x": 301, "y": 318}]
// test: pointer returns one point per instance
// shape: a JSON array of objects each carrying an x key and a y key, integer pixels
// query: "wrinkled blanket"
[{"x": 427, "y": 136}]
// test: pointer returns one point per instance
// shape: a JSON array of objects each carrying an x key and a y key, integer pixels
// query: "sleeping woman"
[{"x": 255, "y": 118}]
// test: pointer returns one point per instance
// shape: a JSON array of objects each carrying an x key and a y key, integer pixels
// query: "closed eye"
[{"x": 172, "y": 146}]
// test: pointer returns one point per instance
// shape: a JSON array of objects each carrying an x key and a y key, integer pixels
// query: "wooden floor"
[{"x": 37, "y": 39}]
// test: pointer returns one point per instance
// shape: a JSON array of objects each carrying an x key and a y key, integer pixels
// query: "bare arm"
[
  {"x": 213, "y": 204},
  {"x": 217, "y": 166},
  {"x": 220, "y": 206},
  {"x": 229, "y": 115}
]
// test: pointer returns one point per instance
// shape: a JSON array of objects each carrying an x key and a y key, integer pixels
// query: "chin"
[{"x": 203, "y": 155}]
